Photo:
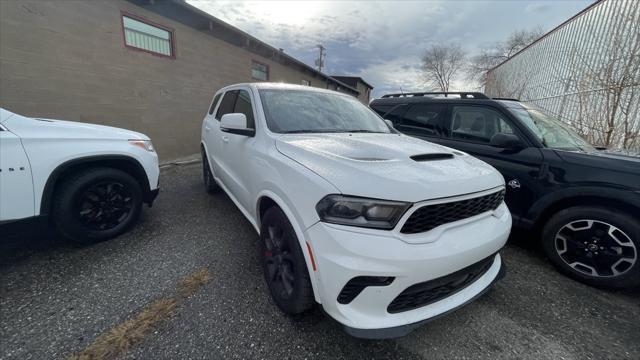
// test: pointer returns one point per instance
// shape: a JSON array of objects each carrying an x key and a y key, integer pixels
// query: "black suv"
[{"x": 583, "y": 203}]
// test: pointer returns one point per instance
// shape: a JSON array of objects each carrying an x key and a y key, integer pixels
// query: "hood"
[
  {"x": 49, "y": 128},
  {"x": 389, "y": 166},
  {"x": 603, "y": 160}
]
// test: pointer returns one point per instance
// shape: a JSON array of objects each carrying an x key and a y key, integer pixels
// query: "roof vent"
[{"x": 431, "y": 157}]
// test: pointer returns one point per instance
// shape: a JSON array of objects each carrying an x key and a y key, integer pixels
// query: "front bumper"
[
  {"x": 343, "y": 253},
  {"x": 151, "y": 196},
  {"x": 402, "y": 330}
]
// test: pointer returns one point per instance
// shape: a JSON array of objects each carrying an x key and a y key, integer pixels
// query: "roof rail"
[
  {"x": 510, "y": 99},
  {"x": 463, "y": 94}
]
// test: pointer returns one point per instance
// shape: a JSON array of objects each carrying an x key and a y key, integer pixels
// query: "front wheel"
[
  {"x": 284, "y": 265},
  {"x": 96, "y": 204},
  {"x": 597, "y": 246}
]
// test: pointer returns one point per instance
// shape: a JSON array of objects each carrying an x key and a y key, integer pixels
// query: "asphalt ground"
[{"x": 57, "y": 299}]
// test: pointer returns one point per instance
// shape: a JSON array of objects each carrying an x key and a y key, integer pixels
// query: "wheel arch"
[
  {"x": 121, "y": 162},
  {"x": 546, "y": 207},
  {"x": 267, "y": 199}
]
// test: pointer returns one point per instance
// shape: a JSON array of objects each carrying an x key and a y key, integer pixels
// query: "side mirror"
[
  {"x": 236, "y": 123},
  {"x": 506, "y": 141},
  {"x": 389, "y": 123}
]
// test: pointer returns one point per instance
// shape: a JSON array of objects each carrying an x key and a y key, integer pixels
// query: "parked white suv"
[
  {"x": 385, "y": 231},
  {"x": 88, "y": 180}
]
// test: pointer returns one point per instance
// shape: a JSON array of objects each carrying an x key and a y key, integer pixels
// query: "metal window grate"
[{"x": 431, "y": 216}]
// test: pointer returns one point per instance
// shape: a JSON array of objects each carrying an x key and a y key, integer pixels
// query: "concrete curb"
[{"x": 182, "y": 161}]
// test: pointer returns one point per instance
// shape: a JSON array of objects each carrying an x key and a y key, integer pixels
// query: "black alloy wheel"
[
  {"x": 284, "y": 265},
  {"x": 207, "y": 175},
  {"x": 279, "y": 262},
  {"x": 104, "y": 205},
  {"x": 595, "y": 245},
  {"x": 96, "y": 204}
]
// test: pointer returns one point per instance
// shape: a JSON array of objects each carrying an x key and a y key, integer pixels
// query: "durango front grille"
[
  {"x": 432, "y": 216},
  {"x": 428, "y": 292}
]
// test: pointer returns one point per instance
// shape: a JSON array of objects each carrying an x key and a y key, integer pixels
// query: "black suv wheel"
[
  {"x": 283, "y": 262},
  {"x": 96, "y": 204},
  {"x": 598, "y": 246}
]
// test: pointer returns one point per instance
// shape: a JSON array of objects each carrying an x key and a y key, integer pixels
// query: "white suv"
[
  {"x": 385, "y": 231},
  {"x": 89, "y": 180}
]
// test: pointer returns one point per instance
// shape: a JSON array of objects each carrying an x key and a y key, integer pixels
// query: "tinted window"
[
  {"x": 243, "y": 106},
  {"x": 214, "y": 103},
  {"x": 227, "y": 103},
  {"x": 477, "y": 124},
  {"x": 423, "y": 119}
]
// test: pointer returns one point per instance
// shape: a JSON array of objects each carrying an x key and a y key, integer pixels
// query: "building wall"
[
  {"x": 67, "y": 60},
  {"x": 586, "y": 72},
  {"x": 365, "y": 92}
]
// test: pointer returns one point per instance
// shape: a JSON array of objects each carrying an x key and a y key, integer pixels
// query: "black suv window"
[
  {"x": 477, "y": 123},
  {"x": 243, "y": 106},
  {"x": 423, "y": 119},
  {"x": 227, "y": 104}
]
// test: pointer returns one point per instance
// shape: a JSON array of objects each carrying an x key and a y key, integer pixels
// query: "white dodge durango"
[{"x": 383, "y": 230}]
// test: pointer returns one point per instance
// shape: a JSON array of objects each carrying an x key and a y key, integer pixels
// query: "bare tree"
[
  {"x": 441, "y": 63},
  {"x": 490, "y": 57}
]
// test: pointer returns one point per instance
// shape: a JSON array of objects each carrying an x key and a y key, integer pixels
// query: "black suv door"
[
  {"x": 470, "y": 128},
  {"x": 420, "y": 120}
]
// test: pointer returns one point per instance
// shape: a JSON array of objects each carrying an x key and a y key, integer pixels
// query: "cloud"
[
  {"x": 383, "y": 41},
  {"x": 537, "y": 8}
]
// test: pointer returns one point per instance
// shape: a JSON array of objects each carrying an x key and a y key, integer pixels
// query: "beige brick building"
[{"x": 146, "y": 65}]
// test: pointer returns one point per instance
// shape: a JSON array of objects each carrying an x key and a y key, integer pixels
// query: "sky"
[{"x": 383, "y": 41}]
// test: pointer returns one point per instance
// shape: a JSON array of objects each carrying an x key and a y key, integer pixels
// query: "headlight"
[
  {"x": 145, "y": 144},
  {"x": 363, "y": 212}
]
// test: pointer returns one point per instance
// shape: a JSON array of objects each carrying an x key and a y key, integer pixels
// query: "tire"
[
  {"x": 594, "y": 245},
  {"x": 283, "y": 263},
  {"x": 96, "y": 204},
  {"x": 209, "y": 182}
]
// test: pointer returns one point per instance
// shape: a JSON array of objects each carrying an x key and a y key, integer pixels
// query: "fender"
[
  {"x": 52, "y": 180},
  {"x": 625, "y": 196},
  {"x": 299, "y": 233}
]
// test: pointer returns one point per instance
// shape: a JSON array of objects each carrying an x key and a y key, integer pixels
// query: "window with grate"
[{"x": 147, "y": 37}]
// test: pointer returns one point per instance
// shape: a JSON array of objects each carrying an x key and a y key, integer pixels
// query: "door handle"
[{"x": 225, "y": 138}]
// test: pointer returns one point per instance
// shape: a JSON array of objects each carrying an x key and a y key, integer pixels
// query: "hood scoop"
[{"x": 431, "y": 157}]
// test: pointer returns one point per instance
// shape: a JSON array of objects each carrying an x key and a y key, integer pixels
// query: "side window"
[
  {"x": 214, "y": 103},
  {"x": 477, "y": 124},
  {"x": 423, "y": 119},
  {"x": 243, "y": 106},
  {"x": 227, "y": 103},
  {"x": 391, "y": 112}
]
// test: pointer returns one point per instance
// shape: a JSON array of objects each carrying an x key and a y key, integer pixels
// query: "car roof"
[
  {"x": 282, "y": 86},
  {"x": 508, "y": 103}
]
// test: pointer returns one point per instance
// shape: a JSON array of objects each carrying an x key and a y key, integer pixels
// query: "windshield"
[
  {"x": 552, "y": 133},
  {"x": 301, "y": 111}
]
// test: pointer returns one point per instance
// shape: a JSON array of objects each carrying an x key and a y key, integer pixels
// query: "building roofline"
[
  {"x": 581, "y": 12},
  {"x": 280, "y": 52},
  {"x": 356, "y": 77}
]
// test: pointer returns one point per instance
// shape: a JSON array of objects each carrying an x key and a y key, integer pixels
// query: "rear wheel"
[
  {"x": 96, "y": 204},
  {"x": 283, "y": 263},
  {"x": 209, "y": 183},
  {"x": 598, "y": 246}
]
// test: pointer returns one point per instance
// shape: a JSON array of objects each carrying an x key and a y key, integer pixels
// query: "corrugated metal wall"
[{"x": 586, "y": 72}]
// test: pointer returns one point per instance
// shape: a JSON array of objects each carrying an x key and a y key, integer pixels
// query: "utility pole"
[{"x": 320, "y": 60}]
